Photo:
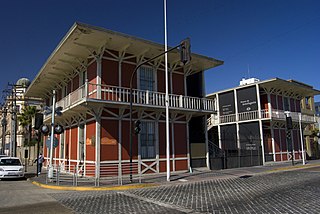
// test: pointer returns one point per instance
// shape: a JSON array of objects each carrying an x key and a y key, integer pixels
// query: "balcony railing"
[
  {"x": 121, "y": 95},
  {"x": 254, "y": 115}
]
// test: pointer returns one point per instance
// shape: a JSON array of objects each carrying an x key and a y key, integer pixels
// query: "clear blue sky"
[{"x": 268, "y": 38}]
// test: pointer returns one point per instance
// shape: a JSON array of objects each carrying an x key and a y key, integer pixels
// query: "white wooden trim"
[
  {"x": 172, "y": 147},
  {"x": 207, "y": 143},
  {"x": 260, "y": 124},
  {"x": 97, "y": 145},
  {"x": 99, "y": 77}
]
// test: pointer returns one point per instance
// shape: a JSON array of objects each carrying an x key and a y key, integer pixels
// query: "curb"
[
  {"x": 138, "y": 186},
  {"x": 87, "y": 188},
  {"x": 289, "y": 168}
]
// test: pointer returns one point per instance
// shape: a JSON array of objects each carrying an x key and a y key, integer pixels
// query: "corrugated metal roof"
[{"x": 81, "y": 39}]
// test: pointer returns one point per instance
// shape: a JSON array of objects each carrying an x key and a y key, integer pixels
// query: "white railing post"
[
  {"x": 180, "y": 101},
  {"x": 147, "y": 97},
  {"x": 69, "y": 99},
  {"x": 85, "y": 88}
]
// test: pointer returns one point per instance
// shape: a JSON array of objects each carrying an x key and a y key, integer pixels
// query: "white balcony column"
[
  {"x": 206, "y": 141},
  {"x": 70, "y": 138},
  {"x": 237, "y": 118},
  {"x": 99, "y": 76},
  {"x": 188, "y": 118},
  {"x": 97, "y": 115},
  {"x": 273, "y": 142},
  {"x": 158, "y": 115},
  {"x": 121, "y": 111},
  {"x": 86, "y": 93},
  {"x": 301, "y": 139},
  {"x": 84, "y": 148},
  {"x": 258, "y": 101},
  {"x": 262, "y": 144},
  {"x": 219, "y": 136},
  {"x": 218, "y": 108},
  {"x": 120, "y": 71},
  {"x": 173, "y": 116},
  {"x": 260, "y": 123},
  {"x": 236, "y": 105},
  {"x": 78, "y": 146},
  {"x": 269, "y": 106}
]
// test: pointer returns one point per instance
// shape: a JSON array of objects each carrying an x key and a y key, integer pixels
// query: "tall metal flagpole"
[{"x": 167, "y": 93}]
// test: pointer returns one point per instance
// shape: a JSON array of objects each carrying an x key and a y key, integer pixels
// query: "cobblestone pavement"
[{"x": 282, "y": 192}]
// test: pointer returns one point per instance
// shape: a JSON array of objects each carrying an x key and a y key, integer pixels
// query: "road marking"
[{"x": 170, "y": 206}]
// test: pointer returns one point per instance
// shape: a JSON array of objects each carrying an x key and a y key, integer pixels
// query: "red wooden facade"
[{"x": 91, "y": 79}]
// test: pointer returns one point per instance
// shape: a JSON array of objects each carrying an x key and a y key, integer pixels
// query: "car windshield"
[{"x": 10, "y": 162}]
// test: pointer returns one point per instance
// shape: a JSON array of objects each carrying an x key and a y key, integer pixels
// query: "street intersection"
[{"x": 273, "y": 191}]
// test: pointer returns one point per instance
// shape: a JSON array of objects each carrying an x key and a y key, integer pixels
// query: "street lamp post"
[{"x": 50, "y": 173}]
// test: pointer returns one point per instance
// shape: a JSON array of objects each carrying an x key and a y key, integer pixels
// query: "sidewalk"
[{"x": 199, "y": 174}]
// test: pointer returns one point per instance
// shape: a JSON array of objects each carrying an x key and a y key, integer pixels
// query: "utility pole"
[{"x": 4, "y": 128}]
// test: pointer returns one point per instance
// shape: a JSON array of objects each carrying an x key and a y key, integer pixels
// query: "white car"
[{"x": 11, "y": 167}]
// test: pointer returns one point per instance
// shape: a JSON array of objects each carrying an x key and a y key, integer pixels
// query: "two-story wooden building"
[
  {"x": 90, "y": 72},
  {"x": 249, "y": 127}
]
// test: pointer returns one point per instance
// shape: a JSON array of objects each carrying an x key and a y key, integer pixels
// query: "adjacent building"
[
  {"x": 13, "y": 136},
  {"x": 250, "y": 126},
  {"x": 89, "y": 72},
  {"x": 317, "y": 108}
]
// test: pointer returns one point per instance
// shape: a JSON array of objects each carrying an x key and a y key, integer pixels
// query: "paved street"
[
  {"x": 280, "y": 192},
  {"x": 21, "y": 196}
]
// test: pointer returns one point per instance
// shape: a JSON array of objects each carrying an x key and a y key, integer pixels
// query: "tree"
[{"x": 25, "y": 120}]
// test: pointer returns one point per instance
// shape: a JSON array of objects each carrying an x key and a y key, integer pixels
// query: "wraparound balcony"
[
  {"x": 254, "y": 115},
  {"x": 121, "y": 96}
]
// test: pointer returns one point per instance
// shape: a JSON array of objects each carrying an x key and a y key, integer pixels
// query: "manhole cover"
[{"x": 245, "y": 176}]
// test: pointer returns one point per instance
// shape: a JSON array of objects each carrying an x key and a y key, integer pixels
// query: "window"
[
  {"x": 147, "y": 140},
  {"x": 286, "y": 104},
  {"x": 146, "y": 78},
  {"x": 307, "y": 100},
  {"x": 10, "y": 162}
]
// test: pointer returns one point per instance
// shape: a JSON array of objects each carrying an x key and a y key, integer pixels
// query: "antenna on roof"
[{"x": 248, "y": 71}]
